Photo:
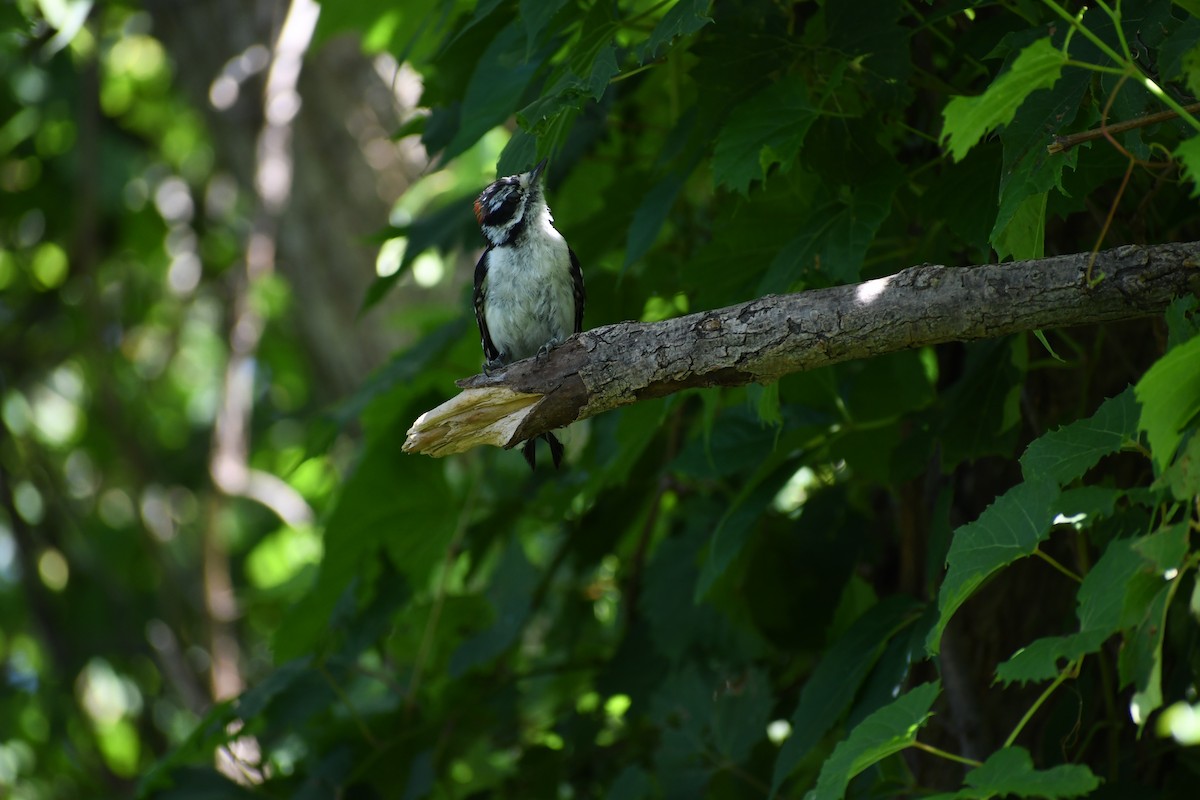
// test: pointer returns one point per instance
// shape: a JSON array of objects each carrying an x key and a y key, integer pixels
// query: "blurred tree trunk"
[
  {"x": 311, "y": 199},
  {"x": 338, "y": 198}
]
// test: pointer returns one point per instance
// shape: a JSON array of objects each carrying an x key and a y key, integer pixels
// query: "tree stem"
[{"x": 940, "y": 753}]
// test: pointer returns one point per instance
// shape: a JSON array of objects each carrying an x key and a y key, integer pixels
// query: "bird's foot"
[
  {"x": 550, "y": 344},
  {"x": 492, "y": 364}
]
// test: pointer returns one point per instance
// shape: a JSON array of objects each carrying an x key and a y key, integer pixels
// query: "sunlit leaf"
[
  {"x": 968, "y": 119},
  {"x": 1169, "y": 393}
]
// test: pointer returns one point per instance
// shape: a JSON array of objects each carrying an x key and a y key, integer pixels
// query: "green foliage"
[
  {"x": 1009, "y": 529},
  {"x": 821, "y": 588},
  {"x": 1169, "y": 393},
  {"x": 831, "y": 688},
  {"x": 1009, "y": 773},
  {"x": 885, "y": 732},
  {"x": 767, "y": 129},
  {"x": 968, "y": 119},
  {"x": 1067, "y": 453}
]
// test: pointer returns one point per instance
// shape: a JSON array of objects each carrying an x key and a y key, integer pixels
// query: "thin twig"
[
  {"x": 1054, "y": 563},
  {"x": 1062, "y": 144},
  {"x": 940, "y": 753},
  {"x": 1070, "y": 671}
]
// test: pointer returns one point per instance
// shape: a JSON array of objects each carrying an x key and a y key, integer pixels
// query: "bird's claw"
[{"x": 547, "y": 347}]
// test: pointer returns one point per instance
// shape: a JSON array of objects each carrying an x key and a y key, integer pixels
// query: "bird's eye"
[{"x": 499, "y": 209}]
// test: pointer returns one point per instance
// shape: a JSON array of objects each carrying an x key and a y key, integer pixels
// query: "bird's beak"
[{"x": 536, "y": 173}]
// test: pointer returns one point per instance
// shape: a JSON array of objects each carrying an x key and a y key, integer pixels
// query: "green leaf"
[
  {"x": 1190, "y": 64},
  {"x": 1009, "y": 529},
  {"x": 1170, "y": 396},
  {"x": 392, "y": 502},
  {"x": 597, "y": 43},
  {"x": 517, "y": 155},
  {"x": 480, "y": 13},
  {"x": 1186, "y": 38},
  {"x": 765, "y": 400},
  {"x": 631, "y": 784},
  {"x": 495, "y": 89},
  {"x": 1028, "y": 170},
  {"x": 1188, "y": 154},
  {"x": 968, "y": 119},
  {"x": 768, "y": 128},
  {"x": 536, "y": 14},
  {"x": 1024, "y": 237},
  {"x": 683, "y": 18},
  {"x": 604, "y": 68},
  {"x": 582, "y": 80},
  {"x": 734, "y": 528},
  {"x": 1040, "y": 660},
  {"x": 1183, "y": 476},
  {"x": 831, "y": 688},
  {"x": 650, "y": 215},
  {"x": 834, "y": 237},
  {"x": 740, "y": 716},
  {"x": 880, "y": 46},
  {"x": 983, "y": 408},
  {"x": 1065, "y": 454},
  {"x": 1009, "y": 771},
  {"x": 1140, "y": 660},
  {"x": 675, "y": 621},
  {"x": 1041, "y": 337},
  {"x": 412, "y": 30},
  {"x": 1165, "y": 549},
  {"x": 886, "y": 732},
  {"x": 1182, "y": 320},
  {"x": 1102, "y": 595},
  {"x": 511, "y": 593},
  {"x": 1085, "y": 505},
  {"x": 893, "y": 385},
  {"x": 683, "y": 705},
  {"x": 1101, "y": 601}
]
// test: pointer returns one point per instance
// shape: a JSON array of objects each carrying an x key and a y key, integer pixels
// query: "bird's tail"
[{"x": 530, "y": 450}]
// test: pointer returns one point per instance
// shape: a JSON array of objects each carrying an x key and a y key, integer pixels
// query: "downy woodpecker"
[{"x": 528, "y": 286}]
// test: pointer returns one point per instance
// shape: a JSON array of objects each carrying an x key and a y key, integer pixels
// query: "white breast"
[{"x": 530, "y": 298}]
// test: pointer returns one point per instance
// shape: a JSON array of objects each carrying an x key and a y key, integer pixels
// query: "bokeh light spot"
[
  {"x": 53, "y": 570},
  {"x": 49, "y": 266}
]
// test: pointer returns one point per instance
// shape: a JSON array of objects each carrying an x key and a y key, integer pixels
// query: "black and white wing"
[
  {"x": 490, "y": 353},
  {"x": 577, "y": 285}
]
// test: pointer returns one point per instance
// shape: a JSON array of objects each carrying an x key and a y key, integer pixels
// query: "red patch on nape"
[{"x": 478, "y": 211}]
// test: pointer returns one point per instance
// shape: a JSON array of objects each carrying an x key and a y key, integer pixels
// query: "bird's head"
[{"x": 503, "y": 208}]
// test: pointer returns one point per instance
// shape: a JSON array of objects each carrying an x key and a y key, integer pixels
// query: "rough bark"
[{"x": 764, "y": 339}]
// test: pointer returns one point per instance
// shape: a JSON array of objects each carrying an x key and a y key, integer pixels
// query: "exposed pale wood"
[{"x": 764, "y": 339}]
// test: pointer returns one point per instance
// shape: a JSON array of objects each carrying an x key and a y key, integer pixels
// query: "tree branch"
[{"x": 765, "y": 339}]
